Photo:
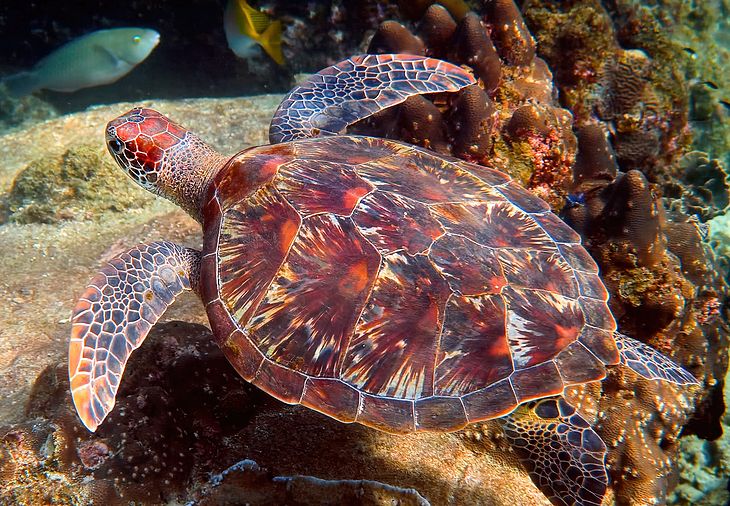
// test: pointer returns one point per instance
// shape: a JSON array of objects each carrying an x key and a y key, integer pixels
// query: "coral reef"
[
  {"x": 692, "y": 38},
  {"x": 638, "y": 93},
  {"x": 620, "y": 72},
  {"x": 702, "y": 188},
  {"x": 705, "y": 466},
  {"x": 649, "y": 96},
  {"x": 82, "y": 183},
  {"x": 666, "y": 292},
  {"x": 510, "y": 121}
]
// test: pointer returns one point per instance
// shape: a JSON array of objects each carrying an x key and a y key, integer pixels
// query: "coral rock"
[
  {"x": 393, "y": 37},
  {"x": 636, "y": 92},
  {"x": 595, "y": 161},
  {"x": 437, "y": 28},
  {"x": 632, "y": 215},
  {"x": 702, "y": 188},
  {"x": 473, "y": 47},
  {"x": 471, "y": 120},
  {"x": 82, "y": 183},
  {"x": 526, "y": 120},
  {"x": 513, "y": 39}
]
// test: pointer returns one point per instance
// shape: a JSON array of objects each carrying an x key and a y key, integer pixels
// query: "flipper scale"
[
  {"x": 343, "y": 94},
  {"x": 114, "y": 315}
]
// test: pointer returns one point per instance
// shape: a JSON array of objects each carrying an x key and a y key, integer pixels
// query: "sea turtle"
[{"x": 368, "y": 279}]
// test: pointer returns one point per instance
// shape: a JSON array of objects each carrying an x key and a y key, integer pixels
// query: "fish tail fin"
[
  {"x": 271, "y": 42},
  {"x": 258, "y": 20},
  {"x": 22, "y": 83}
]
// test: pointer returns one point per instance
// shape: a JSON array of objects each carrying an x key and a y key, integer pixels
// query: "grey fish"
[{"x": 96, "y": 58}]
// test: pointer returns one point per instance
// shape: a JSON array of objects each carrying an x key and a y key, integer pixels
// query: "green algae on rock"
[
  {"x": 18, "y": 112},
  {"x": 82, "y": 183}
]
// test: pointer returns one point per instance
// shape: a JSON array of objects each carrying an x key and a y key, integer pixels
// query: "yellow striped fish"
[{"x": 247, "y": 27}]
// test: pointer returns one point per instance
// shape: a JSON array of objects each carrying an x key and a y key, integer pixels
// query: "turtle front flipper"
[
  {"x": 649, "y": 363},
  {"x": 564, "y": 456},
  {"x": 115, "y": 314},
  {"x": 354, "y": 89}
]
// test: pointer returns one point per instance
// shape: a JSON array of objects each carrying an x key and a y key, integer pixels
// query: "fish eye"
[
  {"x": 116, "y": 146},
  {"x": 136, "y": 39}
]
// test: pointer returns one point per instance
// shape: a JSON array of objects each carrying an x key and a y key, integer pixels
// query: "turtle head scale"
[{"x": 163, "y": 157}]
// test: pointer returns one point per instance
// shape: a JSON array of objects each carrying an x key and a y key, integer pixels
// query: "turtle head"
[{"x": 163, "y": 157}]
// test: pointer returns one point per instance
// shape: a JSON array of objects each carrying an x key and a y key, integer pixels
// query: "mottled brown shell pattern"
[{"x": 376, "y": 282}]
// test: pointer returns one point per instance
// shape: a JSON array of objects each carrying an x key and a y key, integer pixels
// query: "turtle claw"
[
  {"x": 354, "y": 89},
  {"x": 115, "y": 314},
  {"x": 649, "y": 363},
  {"x": 562, "y": 453}
]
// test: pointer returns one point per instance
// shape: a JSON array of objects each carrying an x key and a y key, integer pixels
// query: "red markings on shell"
[
  {"x": 309, "y": 313},
  {"x": 392, "y": 222},
  {"x": 540, "y": 324},
  {"x": 470, "y": 268},
  {"x": 255, "y": 236},
  {"x": 322, "y": 187},
  {"x": 474, "y": 352},
  {"x": 245, "y": 174},
  {"x": 392, "y": 350},
  {"x": 539, "y": 270},
  {"x": 345, "y": 149},
  {"x": 493, "y": 224},
  {"x": 420, "y": 176}
]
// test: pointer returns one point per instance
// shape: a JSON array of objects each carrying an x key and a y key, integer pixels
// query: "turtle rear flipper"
[
  {"x": 115, "y": 314},
  {"x": 564, "y": 456},
  {"x": 649, "y": 363},
  {"x": 354, "y": 89}
]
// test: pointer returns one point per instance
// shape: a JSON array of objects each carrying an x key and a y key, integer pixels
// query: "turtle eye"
[{"x": 116, "y": 146}]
